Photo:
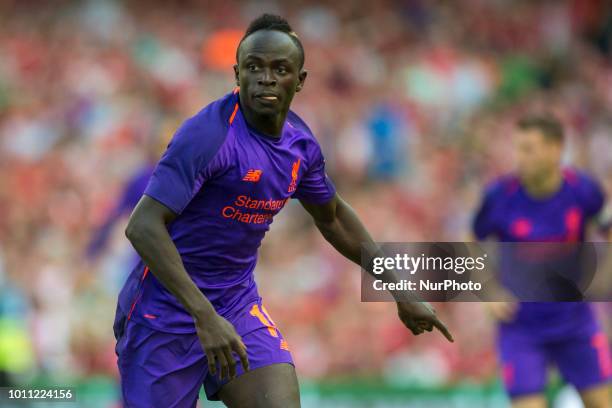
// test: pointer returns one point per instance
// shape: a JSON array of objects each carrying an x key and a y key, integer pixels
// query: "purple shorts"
[
  {"x": 160, "y": 369},
  {"x": 582, "y": 356}
]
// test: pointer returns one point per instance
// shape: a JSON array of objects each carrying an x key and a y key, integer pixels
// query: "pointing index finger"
[{"x": 440, "y": 326}]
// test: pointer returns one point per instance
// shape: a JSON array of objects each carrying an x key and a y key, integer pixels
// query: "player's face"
[
  {"x": 268, "y": 72},
  {"x": 535, "y": 154}
]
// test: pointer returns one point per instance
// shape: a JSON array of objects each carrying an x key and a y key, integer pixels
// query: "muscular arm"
[
  {"x": 148, "y": 233},
  {"x": 343, "y": 229}
]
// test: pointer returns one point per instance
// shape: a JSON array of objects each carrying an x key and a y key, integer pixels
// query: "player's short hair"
[
  {"x": 548, "y": 125},
  {"x": 273, "y": 22}
]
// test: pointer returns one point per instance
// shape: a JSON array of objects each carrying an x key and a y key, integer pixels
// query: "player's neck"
[
  {"x": 545, "y": 185},
  {"x": 269, "y": 125}
]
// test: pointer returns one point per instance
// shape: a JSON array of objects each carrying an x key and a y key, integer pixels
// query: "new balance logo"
[{"x": 252, "y": 175}]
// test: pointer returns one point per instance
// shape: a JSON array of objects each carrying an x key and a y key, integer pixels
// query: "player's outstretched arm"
[
  {"x": 342, "y": 228},
  {"x": 149, "y": 235}
]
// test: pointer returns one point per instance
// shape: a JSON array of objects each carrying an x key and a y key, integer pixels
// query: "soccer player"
[
  {"x": 190, "y": 310},
  {"x": 545, "y": 202}
]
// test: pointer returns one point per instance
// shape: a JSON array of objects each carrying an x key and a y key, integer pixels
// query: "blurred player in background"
[
  {"x": 130, "y": 195},
  {"x": 544, "y": 202},
  {"x": 191, "y": 310}
]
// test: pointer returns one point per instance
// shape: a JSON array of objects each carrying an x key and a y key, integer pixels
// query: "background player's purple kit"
[{"x": 566, "y": 334}]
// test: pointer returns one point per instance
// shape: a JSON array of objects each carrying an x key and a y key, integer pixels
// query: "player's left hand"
[{"x": 420, "y": 317}]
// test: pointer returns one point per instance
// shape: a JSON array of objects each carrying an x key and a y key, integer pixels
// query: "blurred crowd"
[{"x": 413, "y": 102}]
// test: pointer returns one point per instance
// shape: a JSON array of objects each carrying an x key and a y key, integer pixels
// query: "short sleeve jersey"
[{"x": 226, "y": 182}]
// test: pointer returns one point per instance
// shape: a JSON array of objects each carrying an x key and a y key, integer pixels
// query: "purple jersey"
[
  {"x": 226, "y": 182},
  {"x": 509, "y": 214},
  {"x": 564, "y": 333}
]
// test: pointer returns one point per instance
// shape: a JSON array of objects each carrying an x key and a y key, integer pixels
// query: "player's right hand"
[
  {"x": 219, "y": 339},
  {"x": 502, "y": 311}
]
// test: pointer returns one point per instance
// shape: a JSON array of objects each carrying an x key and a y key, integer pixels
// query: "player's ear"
[
  {"x": 236, "y": 74},
  {"x": 302, "y": 78}
]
